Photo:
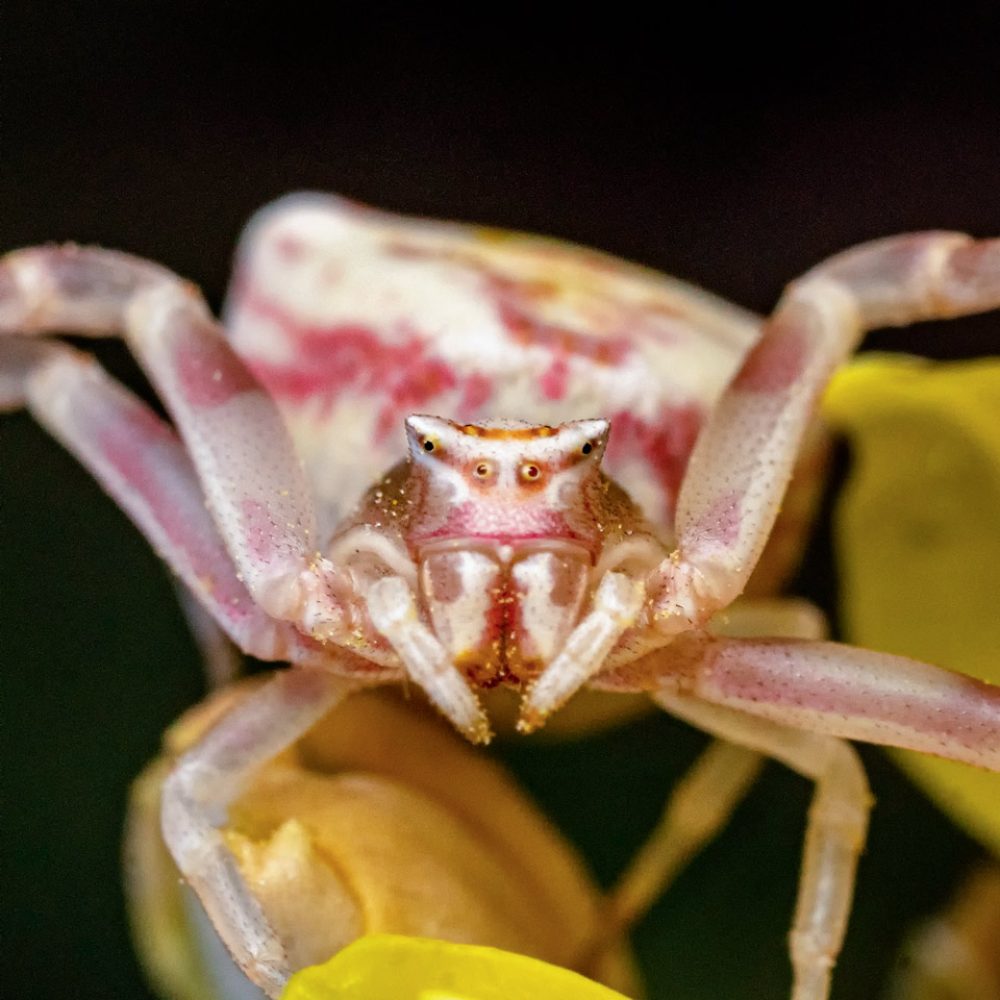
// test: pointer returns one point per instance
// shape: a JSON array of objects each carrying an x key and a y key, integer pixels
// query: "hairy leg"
[
  {"x": 744, "y": 456},
  {"x": 706, "y": 797},
  {"x": 240, "y": 448},
  {"x": 208, "y": 778},
  {"x": 837, "y": 690},
  {"x": 139, "y": 460},
  {"x": 697, "y": 809},
  {"x": 790, "y": 699},
  {"x": 835, "y": 836}
]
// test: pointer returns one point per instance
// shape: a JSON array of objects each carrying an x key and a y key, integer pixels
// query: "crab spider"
[{"x": 498, "y": 552}]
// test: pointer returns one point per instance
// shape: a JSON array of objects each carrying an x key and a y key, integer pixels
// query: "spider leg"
[
  {"x": 838, "y": 690},
  {"x": 796, "y": 700},
  {"x": 743, "y": 459},
  {"x": 698, "y": 808},
  {"x": 141, "y": 463},
  {"x": 835, "y": 835},
  {"x": 212, "y": 775},
  {"x": 221, "y": 659},
  {"x": 244, "y": 457},
  {"x": 616, "y": 604},
  {"x": 703, "y": 801},
  {"x": 392, "y": 606}
]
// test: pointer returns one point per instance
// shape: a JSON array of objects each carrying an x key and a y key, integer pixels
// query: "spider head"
[
  {"x": 505, "y": 535},
  {"x": 507, "y": 461}
]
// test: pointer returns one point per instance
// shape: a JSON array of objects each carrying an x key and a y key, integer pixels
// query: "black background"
[{"x": 731, "y": 148}]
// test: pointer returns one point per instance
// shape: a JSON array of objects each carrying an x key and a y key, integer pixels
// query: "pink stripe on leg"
[
  {"x": 209, "y": 373},
  {"x": 858, "y": 694},
  {"x": 778, "y": 360},
  {"x": 138, "y": 459}
]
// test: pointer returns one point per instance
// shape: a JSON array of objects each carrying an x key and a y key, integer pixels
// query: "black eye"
[
  {"x": 428, "y": 445},
  {"x": 587, "y": 448}
]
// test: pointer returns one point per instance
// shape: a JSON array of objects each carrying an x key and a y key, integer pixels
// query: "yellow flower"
[
  {"x": 918, "y": 536},
  {"x": 387, "y": 967}
]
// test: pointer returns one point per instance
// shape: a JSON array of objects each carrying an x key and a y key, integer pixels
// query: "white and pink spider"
[{"x": 498, "y": 553}]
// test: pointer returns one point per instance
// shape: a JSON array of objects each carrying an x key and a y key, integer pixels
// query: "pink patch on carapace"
[
  {"x": 503, "y": 523},
  {"x": 208, "y": 370},
  {"x": 777, "y": 360},
  {"x": 555, "y": 379}
]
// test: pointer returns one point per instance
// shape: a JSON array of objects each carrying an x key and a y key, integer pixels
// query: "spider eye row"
[{"x": 528, "y": 471}]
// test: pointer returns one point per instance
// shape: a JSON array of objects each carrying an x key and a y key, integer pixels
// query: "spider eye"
[
  {"x": 530, "y": 472},
  {"x": 482, "y": 470},
  {"x": 428, "y": 444},
  {"x": 587, "y": 448}
]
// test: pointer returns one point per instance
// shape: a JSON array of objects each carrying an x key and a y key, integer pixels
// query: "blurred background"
[{"x": 732, "y": 148}]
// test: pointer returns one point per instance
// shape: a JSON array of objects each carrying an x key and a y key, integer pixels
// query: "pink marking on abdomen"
[
  {"x": 409, "y": 388},
  {"x": 664, "y": 444},
  {"x": 209, "y": 372},
  {"x": 502, "y": 523},
  {"x": 331, "y": 360},
  {"x": 476, "y": 392},
  {"x": 528, "y": 329},
  {"x": 555, "y": 379}
]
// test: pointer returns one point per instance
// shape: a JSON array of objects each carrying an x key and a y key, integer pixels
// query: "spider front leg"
[
  {"x": 797, "y": 700},
  {"x": 615, "y": 606},
  {"x": 392, "y": 607},
  {"x": 212, "y": 775},
  {"x": 743, "y": 459},
  {"x": 240, "y": 459}
]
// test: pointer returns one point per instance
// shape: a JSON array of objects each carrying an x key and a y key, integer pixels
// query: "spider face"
[
  {"x": 507, "y": 461},
  {"x": 504, "y": 537}
]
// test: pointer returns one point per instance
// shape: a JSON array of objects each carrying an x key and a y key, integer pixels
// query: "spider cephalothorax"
[{"x": 505, "y": 522}]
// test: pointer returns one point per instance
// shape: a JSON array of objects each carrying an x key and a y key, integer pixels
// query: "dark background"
[{"x": 733, "y": 149}]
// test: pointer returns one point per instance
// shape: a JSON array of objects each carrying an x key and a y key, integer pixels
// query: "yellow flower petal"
[
  {"x": 918, "y": 536},
  {"x": 390, "y": 967}
]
